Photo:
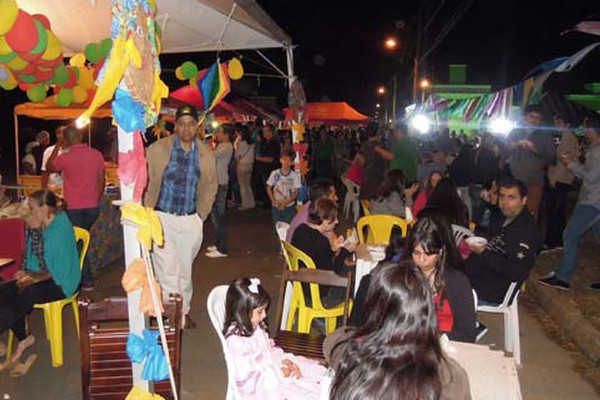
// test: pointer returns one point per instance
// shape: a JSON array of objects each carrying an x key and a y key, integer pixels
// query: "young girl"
[{"x": 263, "y": 370}]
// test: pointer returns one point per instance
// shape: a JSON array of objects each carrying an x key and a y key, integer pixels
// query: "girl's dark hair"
[
  {"x": 445, "y": 201},
  {"x": 322, "y": 210},
  {"x": 396, "y": 354},
  {"x": 428, "y": 186},
  {"x": 239, "y": 304},
  {"x": 394, "y": 181},
  {"x": 435, "y": 236},
  {"x": 45, "y": 197},
  {"x": 245, "y": 133}
]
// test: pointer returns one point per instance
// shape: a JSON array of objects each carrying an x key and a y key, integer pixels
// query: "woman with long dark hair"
[
  {"x": 396, "y": 354},
  {"x": 393, "y": 197},
  {"x": 445, "y": 202},
  {"x": 421, "y": 200},
  {"x": 431, "y": 247}
]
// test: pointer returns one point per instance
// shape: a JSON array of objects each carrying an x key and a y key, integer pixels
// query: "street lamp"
[
  {"x": 424, "y": 85},
  {"x": 377, "y": 105},
  {"x": 381, "y": 90}
]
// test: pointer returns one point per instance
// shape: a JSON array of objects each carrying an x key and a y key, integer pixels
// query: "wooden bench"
[
  {"x": 301, "y": 344},
  {"x": 105, "y": 367}
]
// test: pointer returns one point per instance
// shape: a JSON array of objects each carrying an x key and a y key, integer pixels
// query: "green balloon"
[
  {"x": 4, "y": 58},
  {"x": 64, "y": 97},
  {"x": 105, "y": 47},
  {"x": 27, "y": 78},
  {"x": 36, "y": 93},
  {"x": 61, "y": 75},
  {"x": 42, "y": 42},
  {"x": 189, "y": 70},
  {"x": 92, "y": 52}
]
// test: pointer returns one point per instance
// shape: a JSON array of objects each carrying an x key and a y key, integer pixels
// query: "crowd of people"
[{"x": 504, "y": 188}]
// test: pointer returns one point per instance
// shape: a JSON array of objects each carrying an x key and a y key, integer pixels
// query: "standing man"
[
  {"x": 586, "y": 214},
  {"x": 182, "y": 185},
  {"x": 266, "y": 161},
  {"x": 376, "y": 163},
  {"x": 406, "y": 154},
  {"x": 43, "y": 138},
  {"x": 82, "y": 169},
  {"x": 53, "y": 180},
  {"x": 223, "y": 151},
  {"x": 531, "y": 152},
  {"x": 560, "y": 183}
]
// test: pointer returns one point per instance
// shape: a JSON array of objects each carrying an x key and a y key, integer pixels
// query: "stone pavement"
[{"x": 547, "y": 372}]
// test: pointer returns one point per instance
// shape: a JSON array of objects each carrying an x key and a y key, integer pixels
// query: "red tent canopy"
[
  {"x": 260, "y": 111},
  {"x": 224, "y": 112},
  {"x": 331, "y": 113}
]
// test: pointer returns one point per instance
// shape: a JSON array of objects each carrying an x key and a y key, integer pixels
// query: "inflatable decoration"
[
  {"x": 236, "y": 71},
  {"x": 8, "y": 15}
]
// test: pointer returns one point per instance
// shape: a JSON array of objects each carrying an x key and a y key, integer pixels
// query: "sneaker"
[
  {"x": 211, "y": 249},
  {"x": 215, "y": 254},
  {"x": 480, "y": 331},
  {"x": 555, "y": 282}
]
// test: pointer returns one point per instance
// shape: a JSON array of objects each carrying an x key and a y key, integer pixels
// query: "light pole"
[
  {"x": 391, "y": 43},
  {"x": 381, "y": 91},
  {"x": 424, "y": 86}
]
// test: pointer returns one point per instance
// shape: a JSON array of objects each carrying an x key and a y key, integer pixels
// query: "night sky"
[{"x": 340, "y": 54}]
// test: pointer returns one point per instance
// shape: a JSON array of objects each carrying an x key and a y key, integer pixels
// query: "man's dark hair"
[
  {"x": 564, "y": 118},
  {"x": 531, "y": 108},
  {"x": 320, "y": 188},
  {"x": 509, "y": 183}
]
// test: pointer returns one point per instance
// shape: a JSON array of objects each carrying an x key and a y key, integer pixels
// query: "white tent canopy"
[{"x": 187, "y": 25}]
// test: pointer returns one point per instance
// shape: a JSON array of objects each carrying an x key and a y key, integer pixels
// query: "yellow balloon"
[
  {"x": 78, "y": 60},
  {"x": 236, "y": 71},
  {"x": 86, "y": 78},
  {"x": 8, "y": 15},
  {"x": 4, "y": 47},
  {"x": 179, "y": 74},
  {"x": 79, "y": 94},
  {"x": 16, "y": 64},
  {"x": 9, "y": 84},
  {"x": 53, "y": 49}
]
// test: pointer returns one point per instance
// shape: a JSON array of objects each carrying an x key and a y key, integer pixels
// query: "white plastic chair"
[
  {"x": 351, "y": 200},
  {"x": 460, "y": 233},
  {"x": 510, "y": 309},
  {"x": 216, "y": 311}
]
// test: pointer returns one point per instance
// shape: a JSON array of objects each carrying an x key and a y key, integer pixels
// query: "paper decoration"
[
  {"x": 133, "y": 167},
  {"x": 147, "y": 348},
  {"x": 149, "y": 228},
  {"x": 137, "y": 393},
  {"x": 136, "y": 278}
]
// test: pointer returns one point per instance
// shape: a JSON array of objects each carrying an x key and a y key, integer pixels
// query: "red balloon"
[
  {"x": 24, "y": 86},
  {"x": 72, "y": 79},
  {"x": 30, "y": 57},
  {"x": 29, "y": 69},
  {"x": 97, "y": 68},
  {"x": 23, "y": 36},
  {"x": 90, "y": 97},
  {"x": 43, "y": 19},
  {"x": 44, "y": 74},
  {"x": 49, "y": 63}
]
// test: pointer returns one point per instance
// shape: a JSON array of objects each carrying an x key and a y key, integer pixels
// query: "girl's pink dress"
[{"x": 258, "y": 372}]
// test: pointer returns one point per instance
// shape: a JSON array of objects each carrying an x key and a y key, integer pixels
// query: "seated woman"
[
  {"x": 392, "y": 197},
  {"x": 50, "y": 268},
  {"x": 445, "y": 202},
  {"x": 317, "y": 239},
  {"x": 396, "y": 354},
  {"x": 355, "y": 170},
  {"x": 425, "y": 192},
  {"x": 431, "y": 247}
]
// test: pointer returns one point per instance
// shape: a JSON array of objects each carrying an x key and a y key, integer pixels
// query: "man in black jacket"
[{"x": 509, "y": 256}]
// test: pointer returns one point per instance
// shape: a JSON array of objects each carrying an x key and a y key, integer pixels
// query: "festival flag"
[{"x": 214, "y": 85}]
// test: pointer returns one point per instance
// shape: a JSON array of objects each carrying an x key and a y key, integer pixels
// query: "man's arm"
[
  {"x": 50, "y": 167},
  {"x": 384, "y": 153}
]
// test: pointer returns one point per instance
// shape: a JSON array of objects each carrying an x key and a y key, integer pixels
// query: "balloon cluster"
[
  {"x": 31, "y": 58},
  {"x": 189, "y": 71},
  {"x": 29, "y": 50}
]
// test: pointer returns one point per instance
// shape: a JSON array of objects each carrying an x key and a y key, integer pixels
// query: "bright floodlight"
[
  {"x": 420, "y": 123},
  {"x": 501, "y": 126},
  {"x": 214, "y": 124}
]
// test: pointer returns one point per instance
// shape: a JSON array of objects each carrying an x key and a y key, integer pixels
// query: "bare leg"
[{"x": 21, "y": 347}]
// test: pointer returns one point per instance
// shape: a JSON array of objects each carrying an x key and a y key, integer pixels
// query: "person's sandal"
[
  {"x": 6, "y": 365},
  {"x": 21, "y": 369}
]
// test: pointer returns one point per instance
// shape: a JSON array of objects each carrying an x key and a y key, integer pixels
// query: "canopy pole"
[{"x": 18, "y": 164}]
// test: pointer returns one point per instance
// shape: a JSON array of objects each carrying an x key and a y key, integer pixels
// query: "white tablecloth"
[{"x": 492, "y": 375}]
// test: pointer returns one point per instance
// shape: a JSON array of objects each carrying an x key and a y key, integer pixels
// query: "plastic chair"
[
  {"x": 379, "y": 228},
  {"x": 510, "y": 309},
  {"x": 53, "y": 310},
  {"x": 460, "y": 233},
  {"x": 366, "y": 204},
  {"x": 216, "y": 312},
  {"x": 307, "y": 314},
  {"x": 351, "y": 200}
]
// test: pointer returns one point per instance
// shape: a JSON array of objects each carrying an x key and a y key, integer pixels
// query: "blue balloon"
[{"x": 3, "y": 73}]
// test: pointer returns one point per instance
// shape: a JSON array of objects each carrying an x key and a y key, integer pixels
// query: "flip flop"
[{"x": 21, "y": 369}]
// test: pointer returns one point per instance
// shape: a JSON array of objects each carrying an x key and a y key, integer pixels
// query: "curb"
[{"x": 563, "y": 309}]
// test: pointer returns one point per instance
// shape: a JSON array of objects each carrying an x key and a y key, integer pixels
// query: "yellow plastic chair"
[
  {"x": 366, "y": 204},
  {"x": 53, "y": 310},
  {"x": 379, "y": 228},
  {"x": 307, "y": 314}
]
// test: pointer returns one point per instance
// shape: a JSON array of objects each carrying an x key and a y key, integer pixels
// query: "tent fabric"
[
  {"x": 333, "y": 112},
  {"x": 224, "y": 111},
  {"x": 259, "y": 111},
  {"x": 187, "y": 25},
  {"x": 48, "y": 109}
]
